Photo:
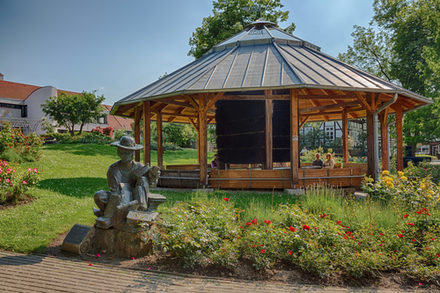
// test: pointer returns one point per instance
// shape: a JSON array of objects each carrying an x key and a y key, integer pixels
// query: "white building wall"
[{"x": 36, "y": 99}]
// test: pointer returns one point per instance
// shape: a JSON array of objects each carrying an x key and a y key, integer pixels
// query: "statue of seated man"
[{"x": 129, "y": 186}]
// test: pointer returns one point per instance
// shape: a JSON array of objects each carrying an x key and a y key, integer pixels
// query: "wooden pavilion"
[{"x": 283, "y": 76}]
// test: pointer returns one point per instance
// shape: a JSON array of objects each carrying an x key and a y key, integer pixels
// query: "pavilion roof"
[{"x": 264, "y": 57}]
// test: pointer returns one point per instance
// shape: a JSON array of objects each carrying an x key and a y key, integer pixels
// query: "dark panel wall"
[
  {"x": 240, "y": 131},
  {"x": 281, "y": 131}
]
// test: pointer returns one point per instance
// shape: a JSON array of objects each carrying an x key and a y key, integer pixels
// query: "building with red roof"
[{"x": 20, "y": 104}]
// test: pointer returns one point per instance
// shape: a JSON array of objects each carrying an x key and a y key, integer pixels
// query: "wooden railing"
[{"x": 280, "y": 178}]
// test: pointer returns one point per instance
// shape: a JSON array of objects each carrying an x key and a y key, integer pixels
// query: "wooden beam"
[
  {"x": 268, "y": 134},
  {"x": 383, "y": 117},
  {"x": 193, "y": 122},
  {"x": 294, "y": 137},
  {"x": 203, "y": 145},
  {"x": 363, "y": 102},
  {"x": 137, "y": 132},
  {"x": 214, "y": 99},
  {"x": 399, "y": 136},
  {"x": 304, "y": 121},
  {"x": 370, "y": 144},
  {"x": 159, "y": 141},
  {"x": 345, "y": 153},
  {"x": 177, "y": 103},
  {"x": 193, "y": 102},
  {"x": 147, "y": 133},
  {"x": 331, "y": 106}
]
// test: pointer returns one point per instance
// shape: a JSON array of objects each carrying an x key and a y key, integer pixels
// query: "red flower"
[
  {"x": 292, "y": 229},
  {"x": 411, "y": 224},
  {"x": 268, "y": 222},
  {"x": 400, "y": 235},
  {"x": 419, "y": 212},
  {"x": 254, "y": 221},
  {"x": 322, "y": 215},
  {"x": 223, "y": 249},
  {"x": 261, "y": 245},
  {"x": 90, "y": 264},
  {"x": 263, "y": 251},
  {"x": 290, "y": 252},
  {"x": 248, "y": 224},
  {"x": 132, "y": 257},
  {"x": 238, "y": 237},
  {"x": 437, "y": 255},
  {"x": 413, "y": 240},
  {"x": 406, "y": 216},
  {"x": 381, "y": 234},
  {"x": 305, "y": 227},
  {"x": 338, "y": 222},
  {"x": 226, "y": 199}
]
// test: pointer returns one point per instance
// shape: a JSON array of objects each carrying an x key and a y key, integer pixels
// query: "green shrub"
[
  {"x": 120, "y": 133},
  {"x": 424, "y": 169},
  {"x": 14, "y": 182},
  {"x": 17, "y": 147},
  {"x": 84, "y": 138},
  {"x": 411, "y": 193},
  {"x": 200, "y": 232}
]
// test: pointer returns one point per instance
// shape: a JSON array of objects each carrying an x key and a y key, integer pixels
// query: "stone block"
[
  {"x": 121, "y": 243},
  {"x": 295, "y": 191},
  {"x": 78, "y": 240}
]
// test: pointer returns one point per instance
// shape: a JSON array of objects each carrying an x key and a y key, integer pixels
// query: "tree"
[
  {"x": 230, "y": 17},
  {"x": 70, "y": 110},
  {"x": 409, "y": 54}
]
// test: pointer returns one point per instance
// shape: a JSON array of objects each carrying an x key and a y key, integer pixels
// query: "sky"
[{"x": 117, "y": 47}]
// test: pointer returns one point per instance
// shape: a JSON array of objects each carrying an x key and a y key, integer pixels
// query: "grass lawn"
[{"x": 71, "y": 173}]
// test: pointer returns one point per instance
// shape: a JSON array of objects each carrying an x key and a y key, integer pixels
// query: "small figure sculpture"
[{"x": 129, "y": 183}]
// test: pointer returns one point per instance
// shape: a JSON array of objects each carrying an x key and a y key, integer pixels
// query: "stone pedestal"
[{"x": 121, "y": 243}]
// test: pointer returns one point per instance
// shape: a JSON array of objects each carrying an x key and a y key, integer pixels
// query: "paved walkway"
[{"x": 42, "y": 273}]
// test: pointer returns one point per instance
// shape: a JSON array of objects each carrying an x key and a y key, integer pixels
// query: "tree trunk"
[
  {"x": 81, "y": 128},
  {"x": 71, "y": 129}
]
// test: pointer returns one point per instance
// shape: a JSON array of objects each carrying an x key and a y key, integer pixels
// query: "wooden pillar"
[
  {"x": 294, "y": 136},
  {"x": 147, "y": 133},
  {"x": 383, "y": 117},
  {"x": 203, "y": 143},
  {"x": 345, "y": 154},
  {"x": 268, "y": 133},
  {"x": 137, "y": 131},
  {"x": 399, "y": 137},
  {"x": 159, "y": 141},
  {"x": 370, "y": 144}
]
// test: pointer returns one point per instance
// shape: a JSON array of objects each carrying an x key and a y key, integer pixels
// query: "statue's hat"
[{"x": 128, "y": 143}]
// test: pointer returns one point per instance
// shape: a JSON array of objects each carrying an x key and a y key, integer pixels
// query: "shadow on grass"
[
  {"x": 84, "y": 149},
  {"x": 76, "y": 187}
]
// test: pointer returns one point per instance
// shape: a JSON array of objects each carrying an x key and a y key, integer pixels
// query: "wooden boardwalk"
[{"x": 42, "y": 273}]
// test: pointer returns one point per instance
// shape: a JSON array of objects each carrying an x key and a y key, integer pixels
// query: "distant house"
[{"x": 20, "y": 104}]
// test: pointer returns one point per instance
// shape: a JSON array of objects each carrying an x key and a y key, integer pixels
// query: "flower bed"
[
  {"x": 15, "y": 182},
  {"x": 212, "y": 232}
]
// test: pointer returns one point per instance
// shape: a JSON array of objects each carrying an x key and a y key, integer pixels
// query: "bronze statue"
[{"x": 129, "y": 183}]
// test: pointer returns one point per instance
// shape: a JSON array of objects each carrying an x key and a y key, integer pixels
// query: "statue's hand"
[
  {"x": 141, "y": 171},
  {"x": 128, "y": 205}
]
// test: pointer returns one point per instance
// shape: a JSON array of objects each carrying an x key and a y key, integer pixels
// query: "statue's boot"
[
  {"x": 98, "y": 212},
  {"x": 105, "y": 221}
]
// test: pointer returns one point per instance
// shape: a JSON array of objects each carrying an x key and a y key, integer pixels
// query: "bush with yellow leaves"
[{"x": 413, "y": 193}]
